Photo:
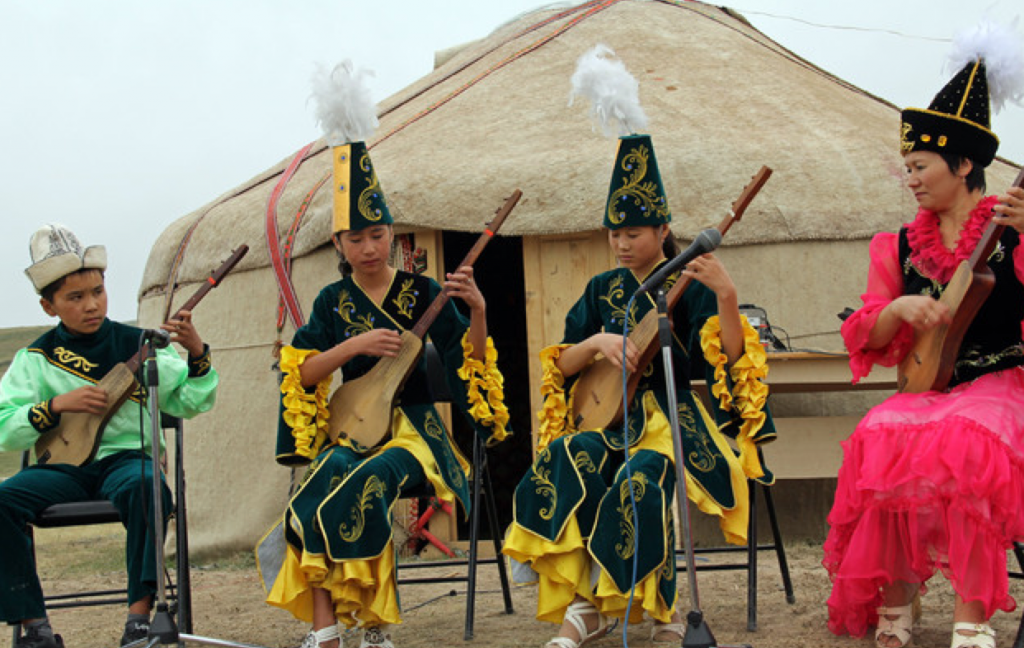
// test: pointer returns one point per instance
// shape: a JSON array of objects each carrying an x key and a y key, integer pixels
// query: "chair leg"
[
  {"x": 752, "y": 558},
  {"x": 780, "y": 549},
  {"x": 183, "y": 571},
  {"x": 492, "y": 517},
  {"x": 1018, "y": 552},
  {"x": 474, "y": 536}
]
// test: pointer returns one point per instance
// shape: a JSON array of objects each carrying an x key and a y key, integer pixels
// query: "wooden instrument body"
[
  {"x": 77, "y": 438},
  {"x": 361, "y": 408},
  {"x": 929, "y": 364},
  {"x": 597, "y": 394}
]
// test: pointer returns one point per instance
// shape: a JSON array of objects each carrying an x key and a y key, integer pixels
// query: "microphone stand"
[
  {"x": 162, "y": 629},
  {"x": 698, "y": 634}
]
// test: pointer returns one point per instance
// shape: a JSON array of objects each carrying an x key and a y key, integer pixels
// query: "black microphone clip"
[{"x": 157, "y": 338}]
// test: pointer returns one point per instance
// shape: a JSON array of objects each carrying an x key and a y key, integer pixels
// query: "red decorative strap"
[{"x": 277, "y": 262}]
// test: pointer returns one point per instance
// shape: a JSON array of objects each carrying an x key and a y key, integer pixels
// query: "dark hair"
[
  {"x": 49, "y": 291},
  {"x": 670, "y": 246},
  {"x": 975, "y": 180}
]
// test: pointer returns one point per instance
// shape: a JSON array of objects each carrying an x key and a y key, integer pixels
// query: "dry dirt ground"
[{"x": 228, "y": 604}]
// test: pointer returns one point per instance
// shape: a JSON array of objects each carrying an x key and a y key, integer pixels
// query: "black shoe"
[
  {"x": 135, "y": 631},
  {"x": 33, "y": 640}
]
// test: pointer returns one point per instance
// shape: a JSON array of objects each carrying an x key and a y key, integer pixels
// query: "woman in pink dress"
[{"x": 935, "y": 480}]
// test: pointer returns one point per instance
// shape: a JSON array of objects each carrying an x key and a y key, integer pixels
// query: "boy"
[{"x": 59, "y": 373}]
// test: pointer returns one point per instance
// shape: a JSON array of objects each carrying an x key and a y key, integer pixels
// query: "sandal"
[
  {"x": 901, "y": 627},
  {"x": 316, "y": 638},
  {"x": 984, "y": 636},
  {"x": 678, "y": 629},
  {"x": 376, "y": 638},
  {"x": 574, "y": 615}
]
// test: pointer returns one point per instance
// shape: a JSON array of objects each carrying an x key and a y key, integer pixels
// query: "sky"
[{"x": 117, "y": 117}]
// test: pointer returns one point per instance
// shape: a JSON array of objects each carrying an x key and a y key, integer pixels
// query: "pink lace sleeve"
[{"x": 885, "y": 283}]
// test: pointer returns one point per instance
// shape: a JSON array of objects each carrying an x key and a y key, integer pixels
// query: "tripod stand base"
[
  {"x": 163, "y": 631},
  {"x": 698, "y": 634}
]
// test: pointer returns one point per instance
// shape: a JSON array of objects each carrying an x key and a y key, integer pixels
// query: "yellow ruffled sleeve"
[
  {"x": 749, "y": 392},
  {"x": 554, "y": 421},
  {"x": 485, "y": 389},
  {"x": 304, "y": 412}
]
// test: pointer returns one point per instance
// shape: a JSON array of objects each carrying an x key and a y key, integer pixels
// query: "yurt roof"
[{"x": 721, "y": 97}]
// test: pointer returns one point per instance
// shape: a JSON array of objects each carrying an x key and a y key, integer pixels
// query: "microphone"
[
  {"x": 705, "y": 242},
  {"x": 159, "y": 338}
]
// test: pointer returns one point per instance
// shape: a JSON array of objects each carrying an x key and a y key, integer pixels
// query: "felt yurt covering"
[{"x": 493, "y": 116}]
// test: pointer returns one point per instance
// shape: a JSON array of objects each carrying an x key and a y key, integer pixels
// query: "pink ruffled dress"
[{"x": 931, "y": 481}]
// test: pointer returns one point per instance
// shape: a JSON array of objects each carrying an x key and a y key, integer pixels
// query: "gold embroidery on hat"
[
  {"x": 644, "y": 194},
  {"x": 906, "y": 141},
  {"x": 926, "y": 138},
  {"x": 942, "y": 140},
  {"x": 371, "y": 192}
]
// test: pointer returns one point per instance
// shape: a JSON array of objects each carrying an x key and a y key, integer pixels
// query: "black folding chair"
[
  {"x": 90, "y": 512},
  {"x": 481, "y": 487},
  {"x": 750, "y": 564}
]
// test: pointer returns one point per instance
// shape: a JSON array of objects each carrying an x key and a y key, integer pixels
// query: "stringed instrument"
[
  {"x": 929, "y": 364},
  {"x": 77, "y": 438},
  {"x": 597, "y": 394},
  {"x": 360, "y": 409}
]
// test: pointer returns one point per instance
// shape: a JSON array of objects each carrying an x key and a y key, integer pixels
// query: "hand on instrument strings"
[
  {"x": 1010, "y": 209},
  {"x": 610, "y": 346},
  {"x": 461, "y": 284},
  {"x": 375, "y": 342},
  {"x": 708, "y": 270},
  {"x": 184, "y": 332},
  {"x": 920, "y": 311},
  {"x": 90, "y": 399}
]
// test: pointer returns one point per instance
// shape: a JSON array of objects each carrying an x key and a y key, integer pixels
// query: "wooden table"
[{"x": 808, "y": 447}]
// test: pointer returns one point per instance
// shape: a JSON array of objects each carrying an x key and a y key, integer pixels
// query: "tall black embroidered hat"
[
  {"x": 636, "y": 196},
  {"x": 348, "y": 117},
  {"x": 958, "y": 120}
]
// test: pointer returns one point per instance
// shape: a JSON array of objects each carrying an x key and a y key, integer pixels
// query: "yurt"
[{"x": 493, "y": 116}]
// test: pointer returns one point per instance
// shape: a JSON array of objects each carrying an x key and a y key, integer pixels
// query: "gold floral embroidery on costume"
[
  {"x": 41, "y": 417},
  {"x": 374, "y": 488},
  {"x": 72, "y": 359},
  {"x": 371, "y": 193},
  {"x": 972, "y": 358},
  {"x": 545, "y": 487},
  {"x": 627, "y": 546},
  {"x": 347, "y": 311},
  {"x": 584, "y": 463},
  {"x": 701, "y": 457},
  {"x": 645, "y": 195},
  {"x": 432, "y": 427},
  {"x": 614, "y": 297},
  {"x": 405, "y": 299},
  {"x": 998, "y": 254}
]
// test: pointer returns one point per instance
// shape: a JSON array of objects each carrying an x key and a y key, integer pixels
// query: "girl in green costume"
[{"x": 574, "y": 520}]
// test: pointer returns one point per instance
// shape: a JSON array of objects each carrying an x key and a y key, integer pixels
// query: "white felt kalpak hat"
[{"x": 56, "y": 253}]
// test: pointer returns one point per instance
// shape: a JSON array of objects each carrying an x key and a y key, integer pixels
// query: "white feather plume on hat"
[
  {"x": 613, "y": 92},
  {"x": 1000, "y": 47},
  {"x": 345, "y": 110}
]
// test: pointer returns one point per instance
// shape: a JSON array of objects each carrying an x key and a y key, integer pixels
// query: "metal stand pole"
[
  {"x": 698, "y": 634},
  {"x": 162, "y": 629}
]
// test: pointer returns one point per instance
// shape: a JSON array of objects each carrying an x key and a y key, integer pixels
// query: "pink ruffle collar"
[{"x": 928, "y": 253}]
